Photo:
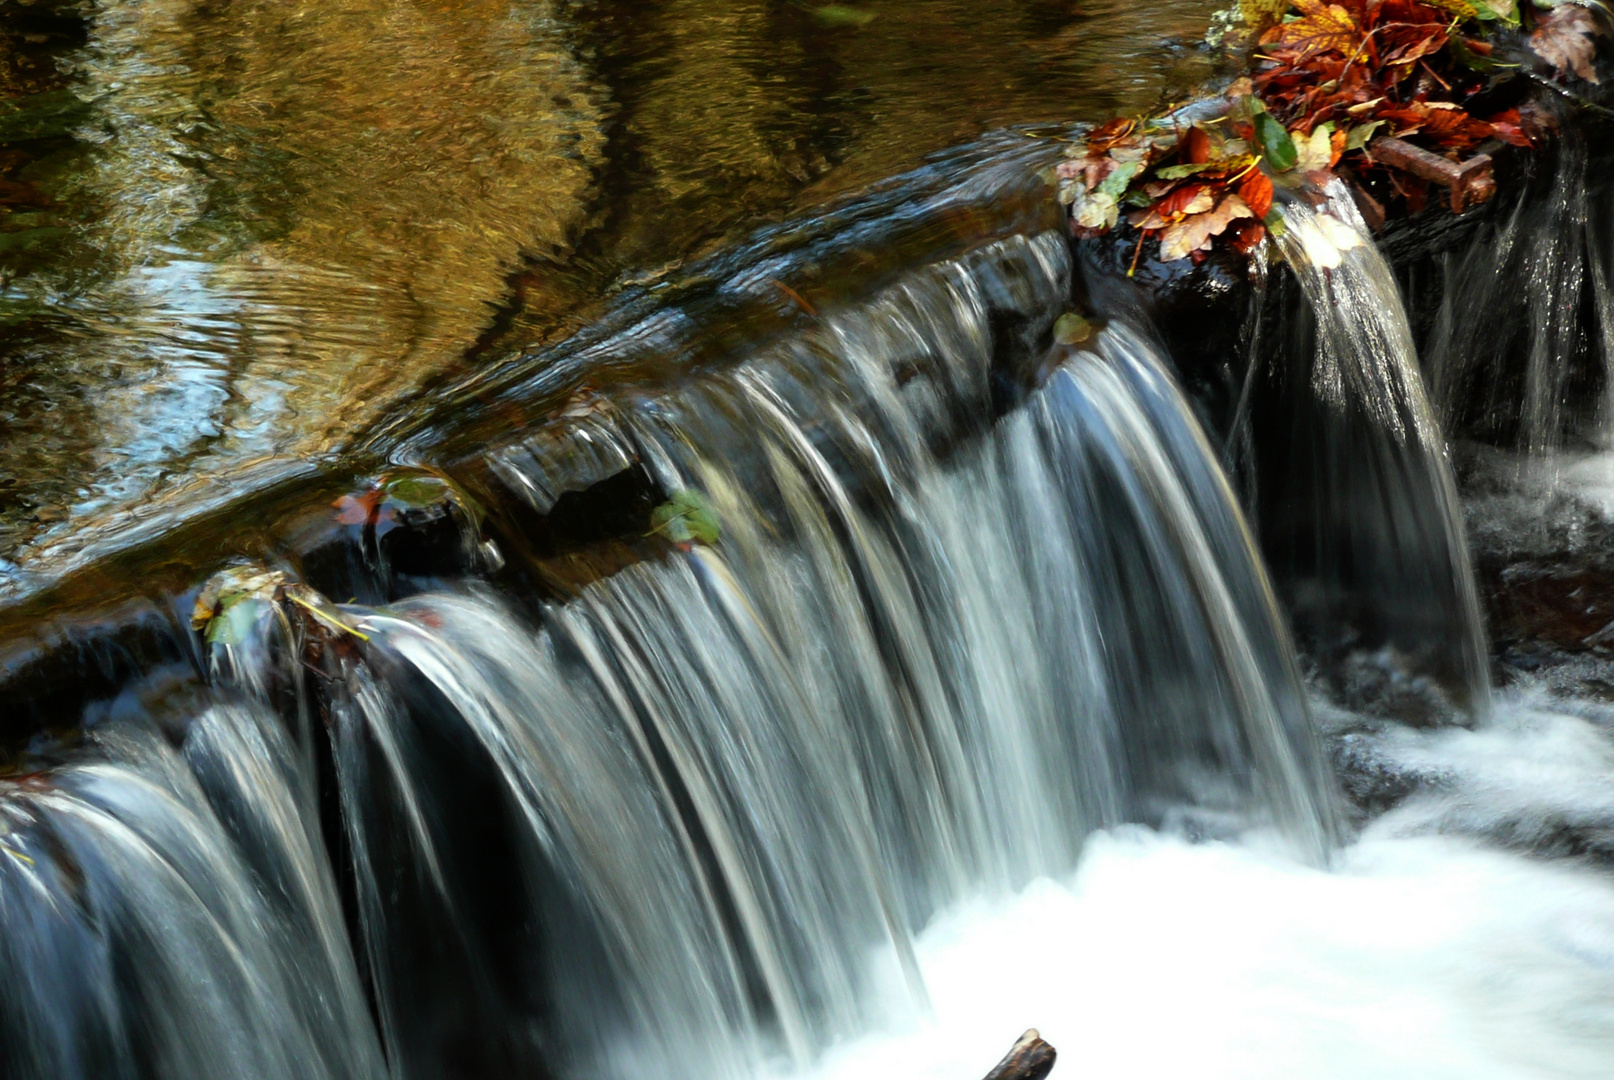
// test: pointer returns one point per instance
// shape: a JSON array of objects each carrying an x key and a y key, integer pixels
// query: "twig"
[
  {"x": 794, "y": 295},
  {"x": 1029, "y": 1059}
]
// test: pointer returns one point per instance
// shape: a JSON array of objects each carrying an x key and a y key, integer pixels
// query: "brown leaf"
[
  {"x": 1563, "y": 38},
  {"x": 1321, "y": 28},
  {"x": 1246, "y": 235},
  {"x": 1195, "y": 147},
  {"x": 1188, "y": 199},
  {"x": 1453, "y": 129},
  {"x": 1110, "y": 134},
  {"x": 1194, "y": 232}
]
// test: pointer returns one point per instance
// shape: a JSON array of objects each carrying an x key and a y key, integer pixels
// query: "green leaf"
[
  {"x": 416, "y": 491},
  {"x": 1071, "y": 329},
  {"x": 1362, "y": 134},
  {"x": 1177, "y": 172},
  {"x": 238, "y": 614},
  {"x": 1116, "y": 183},
  {"x": 1506, "y": 11},
  {"x": 842, "y": 15},
  {"x": 686, "y": 518},
  {"x": 1276, "y": 145},
  {"x": 1275, "y": 223}
]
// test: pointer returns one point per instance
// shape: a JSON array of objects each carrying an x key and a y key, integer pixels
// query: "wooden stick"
[{"x": 1029, "y": 1059}]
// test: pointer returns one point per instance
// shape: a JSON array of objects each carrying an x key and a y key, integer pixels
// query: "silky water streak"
[
  {"x": 1381, "y": 553},
  {"x": 691, "y": 818},
  {"x": 905, "y": 676}
]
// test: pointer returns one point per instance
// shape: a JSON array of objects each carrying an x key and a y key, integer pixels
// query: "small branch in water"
[
  {"x": 1029, "y": 1059},
  {"x": 794, "y": 295}
]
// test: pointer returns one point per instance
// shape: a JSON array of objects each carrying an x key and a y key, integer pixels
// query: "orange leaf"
[
  {"x": 1109, "y": 134},
  {"x": 1256, "y": 191},
  {"x": 1322, "y": 28}
]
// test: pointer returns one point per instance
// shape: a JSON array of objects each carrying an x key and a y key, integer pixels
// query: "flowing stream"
[{"x": 978, "y": 708}]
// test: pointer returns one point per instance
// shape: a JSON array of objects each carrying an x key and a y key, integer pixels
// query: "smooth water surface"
[{"x": 257, "y": 228}]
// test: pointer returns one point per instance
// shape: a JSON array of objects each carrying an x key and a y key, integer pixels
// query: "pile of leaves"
[{"x": 1327, "y": 79}]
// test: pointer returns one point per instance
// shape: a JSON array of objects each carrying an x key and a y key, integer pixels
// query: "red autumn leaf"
[
  {"x": 356, "y": 510},
  {"x": 1414, "y": 47},
  {"x": 1403, "y": 121},
  {"x": 1507, "y": 127},
  {"x": 1256, "y": 191},
  {"x": 1454, "y": 129},
  {"x": 1180, "y": 201},
  {"x": 1195, "y": 147}
]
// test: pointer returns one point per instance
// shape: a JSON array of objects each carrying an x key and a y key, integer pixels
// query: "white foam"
[{"x": 1421, "y": 957}]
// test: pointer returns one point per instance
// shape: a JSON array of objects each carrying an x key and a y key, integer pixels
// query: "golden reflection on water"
[{"x": 291, "y": 216}]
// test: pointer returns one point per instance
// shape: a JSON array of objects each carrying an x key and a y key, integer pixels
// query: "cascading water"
[
  {"x": 979, "y": 713},
  {"x": 1382, "y": 548},
  {"x": 729, "y": 785},
  {"x": 1522, "y": 337},
  {"x": 169, "y": 911}
]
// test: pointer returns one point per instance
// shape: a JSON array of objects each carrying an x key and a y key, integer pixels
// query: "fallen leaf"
[
  {"x": 686, "y": 518},
  {"x": 1321, "y": 28},
  {"x": 1508, "y": 127},
  {"x": 1071, "y": 329},
  {"x": 1188, "y": 199},
  {"x": 1360, "y": 135},
  {"x": 1256, "y": 191},
  {"x": 1195, "y": 146},
  {"x": 1194, "y": 233},
  {"x": 1563, "y": 38},
  {"x": 1097, "y": 210},
  {"x": 1246, "y": 235},
  {"x": 1116, "y": 182},
  {"x": 1178, "y": 172},
  {"x": 842, "y": 15},
  {"x": 356, "y": 509},
  {"x": 1110, "y": 134},
  {"x": 1260, "y": 14},
  {"x": 1276, "y": 145},
  {"x": 1313, "y": 154}
]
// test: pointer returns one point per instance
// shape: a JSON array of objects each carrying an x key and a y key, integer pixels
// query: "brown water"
[{"x": 249, "y": 233}]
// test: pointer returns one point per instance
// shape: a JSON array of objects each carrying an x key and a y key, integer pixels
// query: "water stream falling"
[
  {"x": 1383, "y": 545},
  {"x": 980, "y": 713}
]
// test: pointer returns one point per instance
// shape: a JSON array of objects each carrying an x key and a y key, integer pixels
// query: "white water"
[{"x": 1424, "y": 952}]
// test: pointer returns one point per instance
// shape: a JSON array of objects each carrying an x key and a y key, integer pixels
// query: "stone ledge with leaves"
[{"x": 1406, "y": 101}]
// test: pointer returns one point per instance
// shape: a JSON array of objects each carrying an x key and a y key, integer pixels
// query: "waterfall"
[
  {"x": 170, "y": 911},
  {"x": 975, "y": 597},
  {"x": 1521, "y": 341},
  {"x": 1363, "y": 518}
]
